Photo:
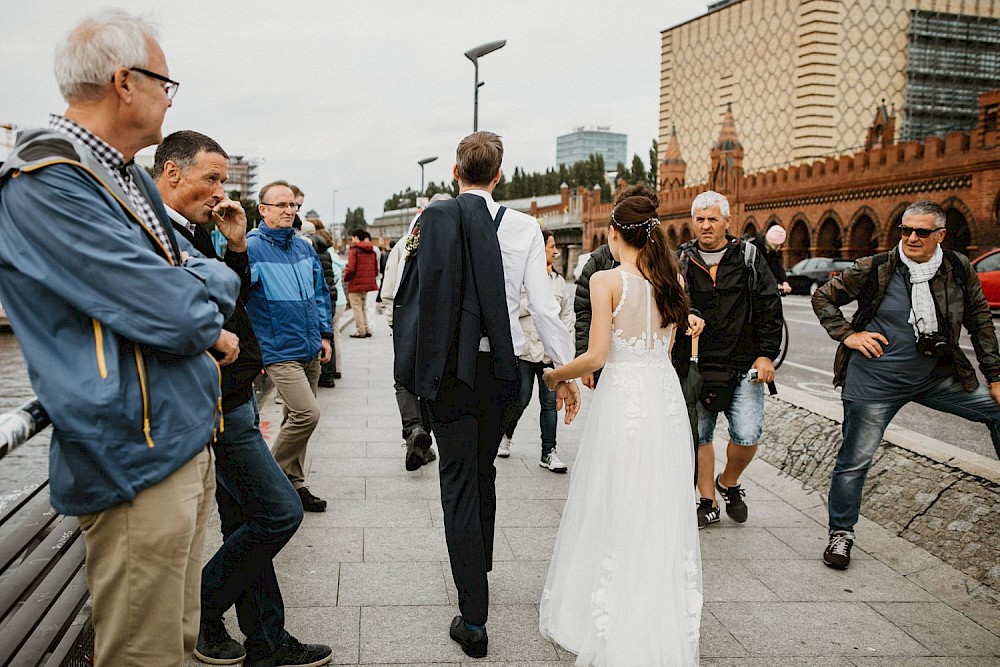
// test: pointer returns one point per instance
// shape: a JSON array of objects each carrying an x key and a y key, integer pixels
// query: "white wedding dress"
[{"x": 624, "y": 583}]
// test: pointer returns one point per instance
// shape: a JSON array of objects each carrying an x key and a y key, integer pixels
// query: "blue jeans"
[
  {"x": 527, "y": 372},
  {"x": 260, "y": 512},
  {"x": 745, "y": 416},
  {"x": 865, "y": 424}
]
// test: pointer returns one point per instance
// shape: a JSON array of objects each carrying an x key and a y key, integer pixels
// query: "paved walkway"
[{"x": 370, "y": 576}]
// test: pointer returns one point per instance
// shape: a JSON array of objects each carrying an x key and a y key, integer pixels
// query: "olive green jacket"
[{"x": 969, "y": 309}]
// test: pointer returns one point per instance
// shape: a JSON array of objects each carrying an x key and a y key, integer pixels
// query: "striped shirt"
[{"x": 115, "y": 163}]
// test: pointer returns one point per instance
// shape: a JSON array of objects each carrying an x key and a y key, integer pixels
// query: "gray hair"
[
  {"x": 88, "y": 56},
  {"x": 925, "y": 207},
  {"x": 708, "y": 199}
]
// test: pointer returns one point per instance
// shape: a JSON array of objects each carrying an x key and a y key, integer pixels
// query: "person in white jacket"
[
  {"x": 533, "y": 362},
  {"x": 416, "y": 423}
]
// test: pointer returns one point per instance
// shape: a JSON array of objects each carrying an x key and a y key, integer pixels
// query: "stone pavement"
[{"x": 370, "y": 576}]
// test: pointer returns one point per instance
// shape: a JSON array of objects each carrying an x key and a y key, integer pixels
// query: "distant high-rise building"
[
  {"x": 242, "y": 176},
  {"x": 582, "y": 143}
]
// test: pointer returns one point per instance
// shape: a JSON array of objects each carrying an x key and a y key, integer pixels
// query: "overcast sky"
[{"x": 349, "y": 95}]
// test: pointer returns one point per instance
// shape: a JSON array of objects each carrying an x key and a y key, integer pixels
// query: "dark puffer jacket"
[
  {"x": 600, "y": 260},
  {"x": 326, "y": 261},
  {"x": 362, "y": 268}
]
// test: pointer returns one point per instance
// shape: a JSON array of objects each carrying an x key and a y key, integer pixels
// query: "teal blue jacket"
[
  {"x": 289, "y": 302},
  {"x": 113, "y": 333}
]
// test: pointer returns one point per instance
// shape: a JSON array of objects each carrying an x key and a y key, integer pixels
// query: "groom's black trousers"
[{"x": 467, "y": 423}]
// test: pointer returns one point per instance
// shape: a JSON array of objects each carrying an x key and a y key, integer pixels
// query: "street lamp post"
[
  {"x": 474, "y": 55},
  {"x": 426, "y": 160}
]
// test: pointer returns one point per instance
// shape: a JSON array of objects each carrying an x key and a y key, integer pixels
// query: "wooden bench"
[{"x": 44, "y": 610}]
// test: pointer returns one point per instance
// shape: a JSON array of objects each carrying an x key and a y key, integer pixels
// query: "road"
[{"x": 809, "y": 367}]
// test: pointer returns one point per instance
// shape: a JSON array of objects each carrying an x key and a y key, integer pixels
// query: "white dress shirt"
[{"x": 524, "y": 265}]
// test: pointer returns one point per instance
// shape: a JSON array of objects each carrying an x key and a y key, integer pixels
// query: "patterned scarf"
[{"x": 923, "y": 314}]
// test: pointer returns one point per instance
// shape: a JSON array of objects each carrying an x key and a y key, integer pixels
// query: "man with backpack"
[
  {"x": 901, "y": 346},
  {"x": 733, "y": 290}
]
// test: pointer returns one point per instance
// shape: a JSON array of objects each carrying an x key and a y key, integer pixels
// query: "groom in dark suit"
[{"x": 457, "y": 338}]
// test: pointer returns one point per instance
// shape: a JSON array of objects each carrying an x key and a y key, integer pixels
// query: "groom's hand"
[{"x": 568, "y": 396}]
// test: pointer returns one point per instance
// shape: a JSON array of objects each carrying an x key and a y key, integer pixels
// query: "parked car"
[
  {"x": 815, "y": 272},
  {"x": 988, "y": 268}
]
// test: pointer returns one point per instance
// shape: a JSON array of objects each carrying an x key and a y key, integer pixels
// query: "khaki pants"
[
  {"x": 144, "y": 560},
  {"x": 359, "y": 304},
  {"x": 296, "y": 382}
]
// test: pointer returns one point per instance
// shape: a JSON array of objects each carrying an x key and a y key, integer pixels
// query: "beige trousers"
[
  {"x": 296, "y": 382},
  {"x": 359, "y": 308},
  {"x": 144, "y": 560}
]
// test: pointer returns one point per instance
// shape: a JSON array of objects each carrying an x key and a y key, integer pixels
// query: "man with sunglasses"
[
  {"x": 902, "y": 346},
  {"x": 289, "y": 307}
]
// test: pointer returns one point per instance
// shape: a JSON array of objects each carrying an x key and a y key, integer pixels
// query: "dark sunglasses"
[{"x": 905, "y": 231}]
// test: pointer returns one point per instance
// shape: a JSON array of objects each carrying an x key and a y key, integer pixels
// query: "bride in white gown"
[{"x": 624, "y": 583}]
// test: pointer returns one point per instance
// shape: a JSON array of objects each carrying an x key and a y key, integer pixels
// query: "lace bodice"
[{"x": 636, "y": 334}]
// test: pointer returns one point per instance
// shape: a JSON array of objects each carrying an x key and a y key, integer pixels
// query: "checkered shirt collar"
[
  {"x": 113, "y": 160},
  {"x": 107, "y": 155}
]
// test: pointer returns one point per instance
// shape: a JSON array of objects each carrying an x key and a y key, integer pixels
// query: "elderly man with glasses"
[
  {"x": 115, "y": 314},
  {"x": 289, "y": 307},
  {"x": 902, "y": 346}
]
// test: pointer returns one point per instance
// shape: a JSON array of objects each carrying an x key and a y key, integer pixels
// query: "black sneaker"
[
  {"x": 215, "y": 646},
  {"x": 417, "y": 446},
  {"x": 838, "y": 551},
  {"x": 293, "y": 653},
  {"x": 310, "y": 503},
  {"x": 735, "y": 507},
  {"x": 708, "y": 512}
]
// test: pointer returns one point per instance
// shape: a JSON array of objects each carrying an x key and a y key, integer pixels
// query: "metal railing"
[{"x": 20, "y": 425}]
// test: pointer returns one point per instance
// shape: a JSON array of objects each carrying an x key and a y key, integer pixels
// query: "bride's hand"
[
  {"x": 549, "y": 381},
  {"x": 695, "y": 325},
  {"x": 568, "y": 396}
]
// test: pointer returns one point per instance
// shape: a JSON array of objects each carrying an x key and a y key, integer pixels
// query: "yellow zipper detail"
[
  {"x": 102, "y": 367},
  {"x": 128, "y": 209},
  {"x": 218, "y": 404},
  {"x": 141, "y": 368}
]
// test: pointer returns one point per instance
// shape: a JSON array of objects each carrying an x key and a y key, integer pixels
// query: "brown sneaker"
[{"x": 838, "y": 551}]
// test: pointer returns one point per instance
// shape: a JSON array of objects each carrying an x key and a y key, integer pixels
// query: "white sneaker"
[
  {"x": 553, "y": 463},
  {"x": 504, "y": 450}
]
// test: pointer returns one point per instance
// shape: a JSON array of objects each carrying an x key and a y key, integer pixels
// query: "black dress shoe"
[{"x": 473, "y": 642}]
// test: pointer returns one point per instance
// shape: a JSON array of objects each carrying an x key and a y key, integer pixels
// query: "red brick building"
[{"x": 847, "y": 205}]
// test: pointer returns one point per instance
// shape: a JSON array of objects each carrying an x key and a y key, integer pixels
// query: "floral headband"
[{"x": 648, "y": 224}]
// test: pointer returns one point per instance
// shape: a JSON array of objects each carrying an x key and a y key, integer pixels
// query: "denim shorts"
[{"x": 745, "y": 415}]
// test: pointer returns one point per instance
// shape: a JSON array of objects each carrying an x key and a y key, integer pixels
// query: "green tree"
[
  {"x": 355, "y": 219},
  {"x": 403, "y": 199},
  {"x": 622, "y": 172},
  {"x": 638, "y": 170},
  {"x": 654, "y": 163},
  {"x": 523, "y": 184},
  {"x": 436, "y": 188},
  {"x": 249, "y": 207}
]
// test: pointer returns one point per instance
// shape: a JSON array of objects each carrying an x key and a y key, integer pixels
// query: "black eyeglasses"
[
  {"x": 283, "y": 205},
  {"x": 905, "y": 230},
  {"x": 169, "y": 85}
]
